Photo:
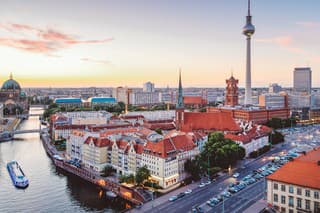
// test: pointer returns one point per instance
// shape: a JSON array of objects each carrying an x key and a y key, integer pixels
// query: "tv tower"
[{"x": 248, "y": 31}]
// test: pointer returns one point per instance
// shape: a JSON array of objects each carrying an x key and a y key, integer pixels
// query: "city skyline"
[{"x": 113, "y": 44}]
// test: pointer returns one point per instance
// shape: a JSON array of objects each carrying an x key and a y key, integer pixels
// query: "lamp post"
[{"x": 150, "y": 179}]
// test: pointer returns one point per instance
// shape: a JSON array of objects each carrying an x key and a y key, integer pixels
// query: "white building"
[
  {"x": 302, "y": 79},
  {"x": 274, "y": 88},
  {"x": 272, "y": 100},
  {"x": 143, "y": 98},
  {"x": 148, "y": 87},
  {"x": 295, "y": 187}
]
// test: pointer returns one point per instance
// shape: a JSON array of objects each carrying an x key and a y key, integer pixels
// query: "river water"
[{"x": 49, "y": 190}]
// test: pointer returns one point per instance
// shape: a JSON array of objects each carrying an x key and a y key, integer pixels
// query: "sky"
[{"x": 108, "y": 43}]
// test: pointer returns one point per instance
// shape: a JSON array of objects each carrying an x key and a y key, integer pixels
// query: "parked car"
[
  {"x": 189, "y": 191},
  {"x": 180, "y": 195},
  {"x": 173, "y": 198},
  {"x": 235, "y": 175},
  {"x": 202, "y": 185}
]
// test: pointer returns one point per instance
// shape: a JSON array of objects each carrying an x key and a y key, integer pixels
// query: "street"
[{"x": 300, "y": 138}]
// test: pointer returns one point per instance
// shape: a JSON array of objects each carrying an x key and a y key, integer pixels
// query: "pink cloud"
[
  {"x": 286, "y": 42},
  {"x": 308, "y": 24},
  {"x": 39, "y": 40},
  {"x": 95, "y": 61}
]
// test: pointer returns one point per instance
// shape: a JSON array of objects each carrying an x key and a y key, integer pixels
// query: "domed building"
[{"x": 12, "y": 97}]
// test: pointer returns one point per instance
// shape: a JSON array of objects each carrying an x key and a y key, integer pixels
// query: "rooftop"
[{"x": 302, "y": 171}]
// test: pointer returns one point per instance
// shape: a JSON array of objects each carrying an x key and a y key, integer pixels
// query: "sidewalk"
[{"x": 257, "y": 206}]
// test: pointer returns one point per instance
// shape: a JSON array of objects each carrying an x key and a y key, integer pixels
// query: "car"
[
  {"x": 180, "y": 195},
  {"x": 208, "y": 182},
  {"x": 199, "y": 209},
  {"x": 189, "y": 191},
  {"x": 209, "y": 203},
  {"x": 226, "y": 194},
  {"x": 173, "y": 198},
  {"x": 235, "y": 175},
  {"x": 233, "y": 190},
  {"x": 202, "y": 185}
]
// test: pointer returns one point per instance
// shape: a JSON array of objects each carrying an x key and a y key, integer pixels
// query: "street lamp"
[
  {"x": 150, "y": 179},
  {"x": 229, "y": 169}
]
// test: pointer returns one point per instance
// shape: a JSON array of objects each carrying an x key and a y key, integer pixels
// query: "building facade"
[
  {"x": 232, "y": 92},
  {"x": 295, "y": 187},
  {"x": 302, "y": 79}
]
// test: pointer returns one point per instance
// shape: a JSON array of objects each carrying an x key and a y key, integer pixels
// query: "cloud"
[
  {"x": 95, "y": 61},
  {"x": 286, "y": 42},
  {"x": 310, "y": 24},
  {"x": 37, "y": 40}
]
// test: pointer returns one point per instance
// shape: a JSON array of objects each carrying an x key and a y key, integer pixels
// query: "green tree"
[
  {"x": 158, "y": 130},
  {"x": 193, "y": 168},
  {"x": 142, "y": 174}
]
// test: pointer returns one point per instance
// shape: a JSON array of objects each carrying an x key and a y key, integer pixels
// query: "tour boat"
[{"x": 17, "y": 176}]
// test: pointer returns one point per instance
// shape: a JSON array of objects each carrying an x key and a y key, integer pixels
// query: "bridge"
[{"x": 17, "y": 132}]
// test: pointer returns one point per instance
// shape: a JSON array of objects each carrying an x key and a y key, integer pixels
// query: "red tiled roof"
[
  {"x": 138, "y": 148},
  {"x": 59, "y": 127},
  {"x": 193, "y": 100},
  {"x": 217, "y": 121},
  {"x": 99, "y": 142},
  {"x": 169, "y": 146},
  {"x": 163, "y": 126},
  {"x": 248, "y": 136},
  {"x": 302, "y": 171}
]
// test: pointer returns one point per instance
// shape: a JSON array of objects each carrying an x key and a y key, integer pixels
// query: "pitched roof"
[
  {"x": 193, "y": 100},
  {"x": 99, "y": 142},
  {"x": 246, "y": 137},
  {"x": 169, "y": 146},
  {"x": 217, "y": 121},
  {"x": 302, "y": 171}
]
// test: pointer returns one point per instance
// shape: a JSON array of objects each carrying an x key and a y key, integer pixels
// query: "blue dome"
[{"x": 11, "y": 85}]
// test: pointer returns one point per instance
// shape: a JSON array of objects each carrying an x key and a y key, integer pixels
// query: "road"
[{"x": 237, "y": 202}]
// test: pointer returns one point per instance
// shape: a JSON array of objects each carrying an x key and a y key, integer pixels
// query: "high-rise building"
[
  {"x": 148, "y": 87},
  {"x": 121, "y": 94},
  {"x": 248, "y": 31},
  {"x": 302, "y": 79},
  {"x": 274, "y": 88},
  {"x": 231, "y": 92}
]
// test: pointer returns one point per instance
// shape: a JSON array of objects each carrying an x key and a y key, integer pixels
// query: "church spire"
[
  {"x": 11, "y": 76},
  {"x": 180, "y": 91}
]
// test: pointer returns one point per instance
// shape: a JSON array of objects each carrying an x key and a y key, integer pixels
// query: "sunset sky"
[{"x": 125, "y": 43}]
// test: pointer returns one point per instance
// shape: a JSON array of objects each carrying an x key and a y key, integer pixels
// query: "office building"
[
  {"x": 302, "y": 79},
  {"x": 148, "y": 87}
]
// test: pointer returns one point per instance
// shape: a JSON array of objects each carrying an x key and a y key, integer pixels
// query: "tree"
[
  {"x": 158, "y": 130},
  {"x": 142, "y": 174},
  {"x": 193, "y": 168},
  {"x": 126, "y": 178},
  {"x": 221, "y": 152}
]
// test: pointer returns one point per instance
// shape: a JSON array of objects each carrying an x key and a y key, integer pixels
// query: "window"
[
  {"x": 316, "y": 195},
  {"x": 299, "y": 203},
  {"x": 275, "y": 198},
  {"x": 307, "y": 193},
  {"x": 283, "y": 199},
  {"x": 299, "y": 191},
  {"x": 316, "y": 207},
  {"x": 290, "y": 189},
  {"x": 291, "y": 201},
  {"x": 283, "y": 209},
  {"x": 308, "y": 204},
  {"x": 283, "y": 188},
  {"x": 291, "y": 211},
  {"x": 275, "y": 186}
]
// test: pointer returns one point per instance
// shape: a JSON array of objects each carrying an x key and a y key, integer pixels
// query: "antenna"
[{"x": 248, "y": 7}]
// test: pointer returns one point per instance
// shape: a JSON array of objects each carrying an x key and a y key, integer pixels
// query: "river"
[{"x": 49, "y": 190}]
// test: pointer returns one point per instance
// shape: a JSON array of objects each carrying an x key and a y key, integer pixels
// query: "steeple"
[
  {"x": 180, "y": 95},
  {"x": 11, "y": 76}
]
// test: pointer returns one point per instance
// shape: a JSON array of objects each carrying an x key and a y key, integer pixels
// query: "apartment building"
[{"x": 295, "y": 187}]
